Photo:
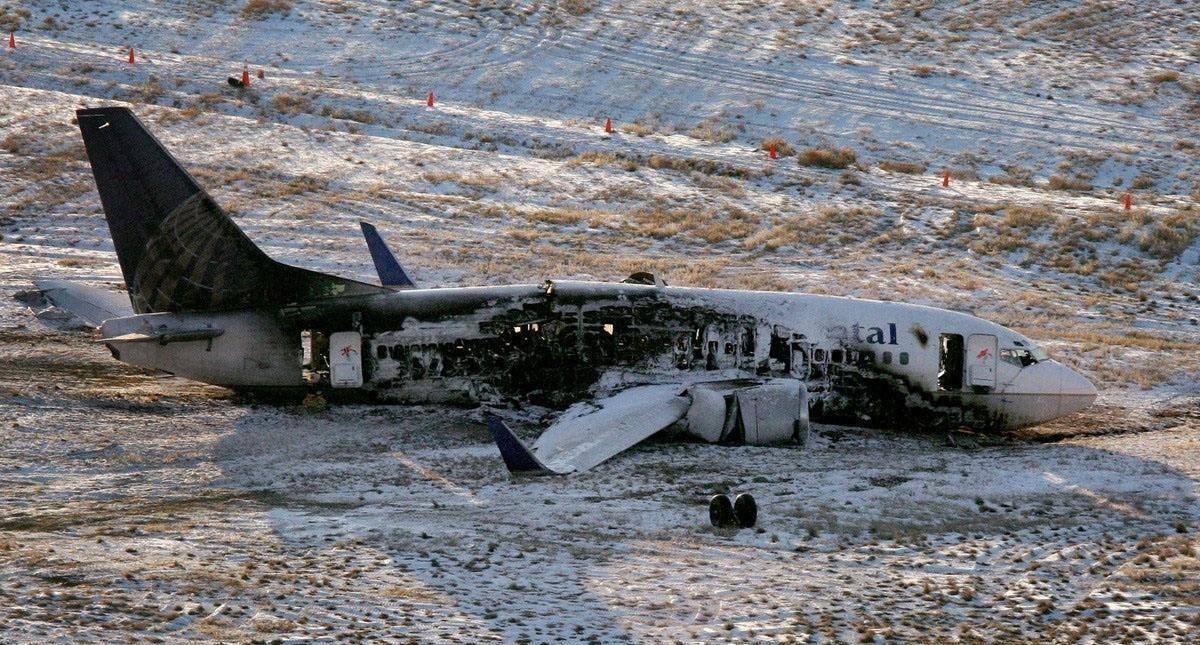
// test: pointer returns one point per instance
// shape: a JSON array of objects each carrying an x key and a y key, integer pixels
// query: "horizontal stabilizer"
[
  {"x": 164, "y": 337},
  {"x": 391, "y": 274},
  {"x": 93, "y": 304},
  {"x": 517, "y": 457}
]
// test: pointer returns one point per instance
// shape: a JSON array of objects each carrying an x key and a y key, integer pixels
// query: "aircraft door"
[
  {"x": 981, "y": 360},
  {"x": 345, "y": 359}
]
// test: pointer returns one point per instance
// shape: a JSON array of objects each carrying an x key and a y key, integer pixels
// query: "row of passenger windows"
[
  {"x": 850, "y": 357},
  {"x": 819, "y": 355}
]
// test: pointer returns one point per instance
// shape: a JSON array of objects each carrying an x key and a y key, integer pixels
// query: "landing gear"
[
  {"x": 745, "y": 509},
  {"x": 742, "y": 512},
  {"x": 720, "y": 511}
]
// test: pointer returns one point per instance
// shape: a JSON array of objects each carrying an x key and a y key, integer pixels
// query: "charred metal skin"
[
  {"x": 552, "y": 343},
  {"x": 733, "y": 366}
]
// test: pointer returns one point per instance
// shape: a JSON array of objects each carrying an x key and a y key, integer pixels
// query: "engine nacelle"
[
  {"x": 767, "y": 413},
  {"x": 242, "y": 349}
]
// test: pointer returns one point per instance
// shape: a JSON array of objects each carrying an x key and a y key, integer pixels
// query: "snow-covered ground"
[{"x": 142, "y": 505}]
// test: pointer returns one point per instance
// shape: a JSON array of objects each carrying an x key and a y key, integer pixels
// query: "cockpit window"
[
  {"x": 1036, "y": 352},
  {"x": 1019, "y": 356}
]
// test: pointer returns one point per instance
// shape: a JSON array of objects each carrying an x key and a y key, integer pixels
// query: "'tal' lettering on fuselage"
[{"x": 859, "y": 333}]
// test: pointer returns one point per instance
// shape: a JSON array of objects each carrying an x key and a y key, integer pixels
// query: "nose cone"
[
  {"x": 1075, "y": 391},
  {"x": 1046, "y": 391},
  {"x": 1075, "y": 384}
]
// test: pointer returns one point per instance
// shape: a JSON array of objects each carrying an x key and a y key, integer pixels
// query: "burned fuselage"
[
  {"x": 864, "y": 362},
  {"x": 208, "y": 304}
]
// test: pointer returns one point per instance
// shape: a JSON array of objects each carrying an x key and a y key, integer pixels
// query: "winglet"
[
  {"x": 517, "y": 457},
  {"x": 391, "y": 274}
]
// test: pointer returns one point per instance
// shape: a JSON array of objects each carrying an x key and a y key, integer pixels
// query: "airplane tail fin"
[
  {"x": 391, "y": 274},
  {"x": 178, "y": 250},
  {"x": 517, "y": 457}
]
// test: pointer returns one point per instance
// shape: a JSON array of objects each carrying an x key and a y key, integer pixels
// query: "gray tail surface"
[{"x": 179, "y": 251}]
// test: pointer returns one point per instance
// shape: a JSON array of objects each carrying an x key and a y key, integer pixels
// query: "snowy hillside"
[{"x": 1043, "y": 114}]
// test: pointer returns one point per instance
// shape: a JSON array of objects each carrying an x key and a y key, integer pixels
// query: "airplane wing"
[
  {"x": 391, "y": 274},
  {"x": 590, "y": 433},
  {"x": 93, "y": 304}
]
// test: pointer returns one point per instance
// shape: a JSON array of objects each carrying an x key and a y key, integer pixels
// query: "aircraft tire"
[
  {"x": 745, "y": 509},
  {"x": 720, "y": 511}
]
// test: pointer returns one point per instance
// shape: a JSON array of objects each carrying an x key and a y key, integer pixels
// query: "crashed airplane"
[{"x": 625, "y": 360}]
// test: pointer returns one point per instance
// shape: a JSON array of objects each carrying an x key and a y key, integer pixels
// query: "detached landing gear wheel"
[
  {"x": 720, "y": 511},
  {"x": 745, "y": 509}
]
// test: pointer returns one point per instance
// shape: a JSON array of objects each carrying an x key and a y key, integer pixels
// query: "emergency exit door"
[
  {"x": 345, "y": 359},
  {"x": 981, "y": 360}
]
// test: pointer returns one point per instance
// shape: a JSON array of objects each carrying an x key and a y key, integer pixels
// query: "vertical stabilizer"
[{"x": 178, "y": 250}]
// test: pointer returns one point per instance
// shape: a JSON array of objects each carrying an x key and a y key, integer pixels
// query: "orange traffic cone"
[
  {"x": 245, "y": 77},
  {"x": 946, "y": 178},
  {"x": 12, "y": 41},
  {"x": 1128, "y": 201},
  {"x": 429, "y": 101},
  {"x": 131, "y": 58},
  {"x": 771, "y": 151},
  {"x": 608, "y": 129}
]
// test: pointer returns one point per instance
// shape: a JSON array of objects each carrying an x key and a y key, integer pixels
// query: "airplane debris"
[{"x": 625, "y": 360}]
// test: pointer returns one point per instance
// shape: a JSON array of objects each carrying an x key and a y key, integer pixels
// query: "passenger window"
[
  {"x": 835, "y": 356},
  {"x": 381, "y": 351},
  {"x": 904, "y": 358},
  {"x": 729, "y": 349},
  {"x": 887, "y": 358},
  {"x": 397, "y": 352},
  {"x": 748, "y": 342},
  {"x": 818, "y": 356}
]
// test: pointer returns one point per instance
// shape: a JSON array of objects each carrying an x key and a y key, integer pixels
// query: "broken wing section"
[{"x": 593, "y": 432}]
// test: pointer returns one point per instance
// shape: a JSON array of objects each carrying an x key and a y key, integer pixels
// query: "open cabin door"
[
  {"x": 345, "y": 359},
  {"x": 981, "y": 360}
]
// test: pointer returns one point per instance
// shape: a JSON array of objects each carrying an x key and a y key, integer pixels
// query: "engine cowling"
[{"x": 775, "y": 411}]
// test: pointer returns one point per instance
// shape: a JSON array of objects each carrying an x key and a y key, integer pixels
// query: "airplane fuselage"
[{"x": 865, "y": 362}]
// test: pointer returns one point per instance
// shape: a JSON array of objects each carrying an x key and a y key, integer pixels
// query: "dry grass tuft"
[
  {"x": 1164, "y": 76},
  {"x": 259, "y": 9},
  {"x": 577, "y": 7},
  {"x": 291, "y": 104},
  {"x": 1167, "y": 238},
  {"x": 828, "y": 225},
  {"x": 639, "y": 129},
  {"x": 1027, "y": 217},
  {"x": 906, "y": 167},
  {"x": 713, "y": 129},
  {"x": 827, "y": 157}
]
